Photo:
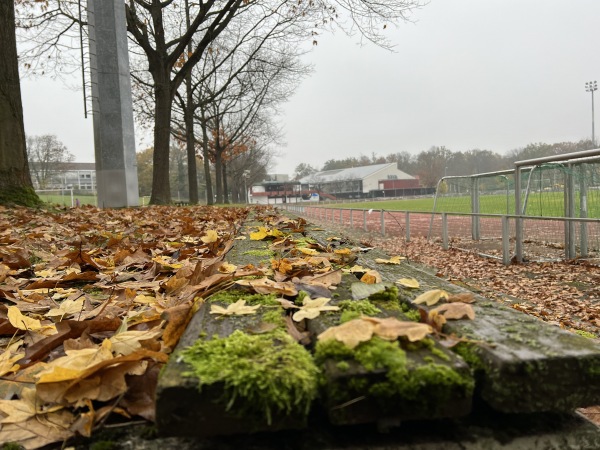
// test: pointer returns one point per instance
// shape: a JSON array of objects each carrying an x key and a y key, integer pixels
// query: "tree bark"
[
  {"x": 225, "y": 184},
  {"x": 161, "y": 188},
  {"x": 15, "y": 180},
  {"x": 205, "y": 154}
]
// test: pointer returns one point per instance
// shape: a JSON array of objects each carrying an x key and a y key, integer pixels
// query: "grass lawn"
[
  {"x": 65, "y": 199},
  {"x": 549, "y": 204}
]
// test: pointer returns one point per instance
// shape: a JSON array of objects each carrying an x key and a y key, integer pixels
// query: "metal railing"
[{"x": 456, "y": 228}]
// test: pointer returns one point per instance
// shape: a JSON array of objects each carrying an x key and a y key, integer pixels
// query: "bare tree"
[
  {"x": 46, "y": 155},
  {"x": 15, "y": 181}
]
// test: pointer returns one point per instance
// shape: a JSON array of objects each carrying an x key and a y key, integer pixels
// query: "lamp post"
[{"x": 592, "y": 86}]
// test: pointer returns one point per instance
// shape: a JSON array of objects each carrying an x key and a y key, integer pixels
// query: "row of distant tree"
[{"x": 431, "y": 165}]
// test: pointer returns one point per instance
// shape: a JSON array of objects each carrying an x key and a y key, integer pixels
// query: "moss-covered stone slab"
[
  {"x": 522, "y": 364},
  {"x": 236, "y": 374},
  {"x": 387, "y": 382}
]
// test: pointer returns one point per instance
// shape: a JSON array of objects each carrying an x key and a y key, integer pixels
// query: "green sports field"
[{"x": 548, "y": 204}]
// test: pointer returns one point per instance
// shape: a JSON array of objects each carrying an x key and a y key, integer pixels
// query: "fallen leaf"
[
  {"x": 455, "y": 310},
  {"x": 238, "y": 308},
  {"x": 312, "y": 308},
  {"x": 431, "y": 297},
  {"x": 362, "y": 290},
  {"x": 210, "y": 237},
  {"x": 18, "y": 320},
  {"x": 67, "y": 308},
  {"x": 392, "y": 260},
  {"x": 391, "y": 328},
  {"x": 267, "y": 286},
  {"x": 308, "y": 251},
  {"x": 411, "y": 283},
  {"x": 350, "y": 333},
  {"x": 128, "y": 342},
  {"x": 371, "y": 277},
  {"x": 465, "y": 297}
]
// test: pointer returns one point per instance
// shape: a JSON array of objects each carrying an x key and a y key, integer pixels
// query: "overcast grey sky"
[{"x": 493, "y": 74}]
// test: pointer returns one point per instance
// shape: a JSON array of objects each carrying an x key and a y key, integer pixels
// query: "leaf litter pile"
[{"x": 94, "y": 301}]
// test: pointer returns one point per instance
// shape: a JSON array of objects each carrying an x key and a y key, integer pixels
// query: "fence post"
[
  {"x": 407, "y": 221},
  {"x": 505, "y": 241},
  {"x": 570, "y": 213},
  {"x": 382, "y": 220},
  {"x": 475, "y": 208},
  {"x": 365, "y": 220},
  {"x": 445, "y": 231},
  {"x": 518, "y": 220},
  {"x": 583, "y": 211}
]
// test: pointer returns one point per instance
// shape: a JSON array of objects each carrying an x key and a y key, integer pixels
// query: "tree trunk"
[
  {"x": 218, "y": 173},
  {"x": 189, "y": 126},
  {"x": 225, "y": 184},
  {"x": 209, "y": 191},
  {"x": 15, "y": 180},
  {"x": 161, "y": 188}
]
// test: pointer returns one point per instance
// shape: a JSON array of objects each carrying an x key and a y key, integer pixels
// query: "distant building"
[
  {"x": 359, "y": 182},
  {"x": 73, "y": 175}
]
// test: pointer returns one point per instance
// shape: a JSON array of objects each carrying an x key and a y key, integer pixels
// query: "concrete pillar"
[{"x": 114, "y": 139}]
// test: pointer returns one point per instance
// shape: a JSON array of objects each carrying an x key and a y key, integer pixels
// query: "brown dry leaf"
[
  {"x": 267, "y": 286},
  {"x": 350, "y": 333},
  {"x": 67, "y": 308},
  {"x": 391, "y": 329},
  {"x": 8, "y": 358},
  {"x": 430, "y": 297},
  {"x": 40, "y": 430},
  {"x": 465, "y": 297},
  {"x": 455, "y": 310},
  {"x": 312, "y": 308},
  {"x": 227, "y": 268},
  {"x": 327, "y": 279},
  {"x": 177, "y": 319},
  {"x": 307, "y": 251},
  {"x": 238, "y": 308}
]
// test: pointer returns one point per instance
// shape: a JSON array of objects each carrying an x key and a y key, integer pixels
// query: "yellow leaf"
[
  {"x": 8, "y": 359},
  {"x": 19, "y": 410},
  {"x": 227, "y": 268},
  {"x": 392, "y": 260},
  {"x": 235, "y": 309},
  {"x": 267, "y": 286},
  {"x": 308, "y": 251},
  {"x": 67, "y": 308},
  {"x": 343, "y": 251},
  {"x": 455, "y": 310},
  {"x": 430, "y": 297},
  {"x": 350, "y": 333},
  {"x": 371, "y": 277},
  {"x": 144, "y": 299},
  {"x": 210, "y": 237},
  {"x": 75, "y": 363},
  {"x": 465, "y": 297},
  {"x": 128, "y": 342},
  {"x": 259, "y": 235},
  {"x": 18, "y": 320},
  {"x": 312, "y": 308},
  {"x": 411, "y": 283}
]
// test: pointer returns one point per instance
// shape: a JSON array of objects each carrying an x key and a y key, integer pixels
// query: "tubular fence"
[{"x": 547, "y": 208}]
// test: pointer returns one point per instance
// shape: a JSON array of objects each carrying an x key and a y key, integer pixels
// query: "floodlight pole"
[{"x": 592, "y": 86}]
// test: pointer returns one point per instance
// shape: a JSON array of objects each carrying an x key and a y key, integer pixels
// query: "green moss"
[
  {"x": 274, "y": 316},
  {"x": 23, "y": 196},
  {"x": 364, "y": 307},
  {"x": 262, "y": 374},
  {"x": 11, "y": 446},
  {"x": 347, "y": 316},
  {"x": 103, "y": 445},
  {"x": 586, "y": 334},
  {"x": 469, "y": 353},
  {"x": 232, "y": 296},
  {"x": 387, "y": 299},
  {"x": 440, "y": 354},
  {"x": 413, "y": 314},
  {"x": 423, "y": 385},
  {"x": 343, "y": 366},
  {"x": 300, "y": 298}
]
